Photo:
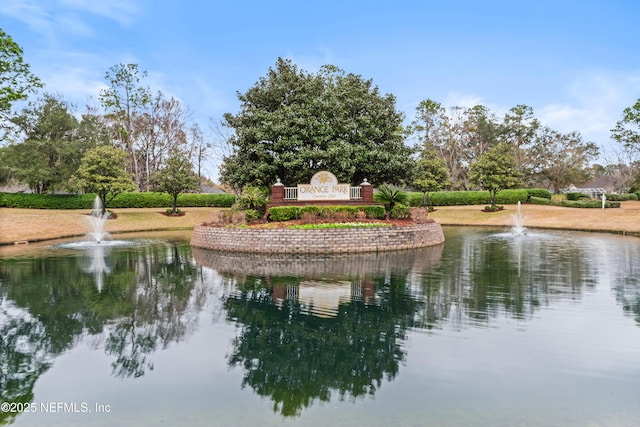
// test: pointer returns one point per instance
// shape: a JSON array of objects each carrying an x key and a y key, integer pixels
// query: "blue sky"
[{"x": 575, "y": 62}]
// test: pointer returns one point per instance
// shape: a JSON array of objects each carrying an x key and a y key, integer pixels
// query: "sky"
[{"x": 576, "y": 63}]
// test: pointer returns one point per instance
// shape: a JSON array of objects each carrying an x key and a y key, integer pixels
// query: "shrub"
[
  {"x": 400, "y": 211},
  {"x": 374, "y": 212},
  {"x": 492, "y": 208},
  {"x": 338, "y": 213},
  {"x": 414, "y": 198},
  {"x": 252, "y": 198},
  {"x": 390, "y": 196},
  {"x": 47, "y": 201},
  {"x": 512, "y": 197},
  {"x": 123, "y": 200},
  {"x": 539, "y": 193},
  {"x": 577, "y": 196},
  {"x": 283, "y": 213},
  {"x": 621, "y": 197},
  {"x": 540, "y": 200},
  {"x": 458, "y": 198},
  {"x": 251, "y": 215},
  {"x": 588, "y": 204},
  {"x": 205, "y": 200}
]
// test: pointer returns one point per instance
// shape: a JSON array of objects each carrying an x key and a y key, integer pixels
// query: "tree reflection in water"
[
  {"x": 310, "y": 329},
  {"x": 149, "y": 298},
  {"x": 294, "y": 354}
]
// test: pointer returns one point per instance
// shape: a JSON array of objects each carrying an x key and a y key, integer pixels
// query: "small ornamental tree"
[
  {"x": 495, "y": 170},
  {"x": 176, "y": 177},
  {"x": 432, "y": 174},
  {"x": 103, "y": 171}
]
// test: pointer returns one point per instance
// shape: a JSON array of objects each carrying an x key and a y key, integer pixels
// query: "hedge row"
[
  {"x": 581, "y": 203},
  {"x": 538, "y": 192},
  {"x": 286, "y": 213},
  {"x": 121, "y": 201},
  {"x": 584, "y": 203},
  {"x": 621, "y": 197},
  {"x": 577, "y": 196},
  {"x": 454, "y": 198},
  {"x": 540, "y": 201}
]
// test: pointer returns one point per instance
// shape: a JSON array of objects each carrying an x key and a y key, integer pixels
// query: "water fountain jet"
[
  {"x": 518, "y": 223},
  {"x": 97, "y": 220}
]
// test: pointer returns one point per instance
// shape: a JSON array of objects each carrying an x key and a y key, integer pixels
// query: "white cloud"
[
  {"x": 123, "y": 12},
  {"x": 50, "y": 18},
  {"x": 76, "y": 83},
  {"x": 36, "y": 16},
  {"x": 594, "y": 103}
]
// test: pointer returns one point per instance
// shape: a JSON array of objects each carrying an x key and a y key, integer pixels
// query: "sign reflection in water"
[
  {"x": 489, "y": 327},
  {"x": 319, "y": 327}
]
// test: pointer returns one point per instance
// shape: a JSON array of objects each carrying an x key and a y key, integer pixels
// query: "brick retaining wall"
[{"x": 328, "y": 240}]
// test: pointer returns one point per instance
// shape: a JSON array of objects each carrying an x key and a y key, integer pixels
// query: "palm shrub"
[
  {"x": 252, "y": 198},
  {"x": 390, "y": 196}
]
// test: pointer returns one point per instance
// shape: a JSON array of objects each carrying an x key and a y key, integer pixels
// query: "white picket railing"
[
  {"x": 354, "y": 193},
  {"x": 291, "y": 193}
]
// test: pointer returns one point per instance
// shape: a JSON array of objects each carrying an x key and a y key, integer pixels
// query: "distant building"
[
  {"x": 601, "y": 181},
  {"x": 211, "y": 189}
]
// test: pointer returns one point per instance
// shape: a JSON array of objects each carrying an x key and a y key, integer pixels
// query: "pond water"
[{"x": 487, "y": 329}]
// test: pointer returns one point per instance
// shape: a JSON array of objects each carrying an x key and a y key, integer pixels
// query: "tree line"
[
  {"x": 52, "y": 147},
  {"x": 291, "y": 124}
]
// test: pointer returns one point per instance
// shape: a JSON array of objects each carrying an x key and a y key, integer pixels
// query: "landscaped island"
[{"x": 317, "y": 240}]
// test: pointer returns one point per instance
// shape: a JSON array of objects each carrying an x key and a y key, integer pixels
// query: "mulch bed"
[{"x": 173, "y": 214}]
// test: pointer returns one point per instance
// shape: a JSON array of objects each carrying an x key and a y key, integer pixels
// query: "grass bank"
[
  {"x": 623, "y": 220},
  {"x": 35, "y": 225}
]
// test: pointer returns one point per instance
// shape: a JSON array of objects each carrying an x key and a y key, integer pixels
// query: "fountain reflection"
[
  {"x": 95, "y": 263},
  {"x": 308, "y": 329},
  {"x": 149, "y": 298}
]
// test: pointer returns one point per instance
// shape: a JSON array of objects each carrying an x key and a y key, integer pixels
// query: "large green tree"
[
  {"x": 495, "y": 170},
  {"x": 51, "y": 149},
  {"x": 292, "y": 124},
  {"x": 16, "y": 79},
  {"x": 103, "y": 171}
]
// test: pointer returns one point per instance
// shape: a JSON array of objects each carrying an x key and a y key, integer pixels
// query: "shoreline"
[{"x": 36, "y": 225}]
